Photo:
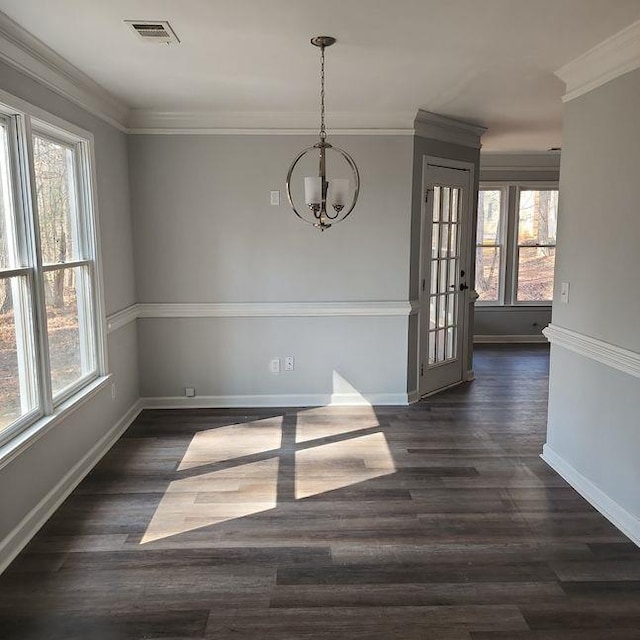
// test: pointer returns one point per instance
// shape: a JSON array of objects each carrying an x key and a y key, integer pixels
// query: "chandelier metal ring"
[{"x": 356, "y": 179}]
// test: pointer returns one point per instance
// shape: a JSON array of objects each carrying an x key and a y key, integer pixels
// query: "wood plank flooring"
[{"x": 434, "y": 522}]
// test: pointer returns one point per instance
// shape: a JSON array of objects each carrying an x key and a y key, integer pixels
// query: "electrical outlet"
[
  {"x": 113, "y": 390},
  {"x": 289, "y": 363},
  {"x": 275, "y": 198},
  {"x": 190, "y": 392},
  {"x": 274, "y": 366}
]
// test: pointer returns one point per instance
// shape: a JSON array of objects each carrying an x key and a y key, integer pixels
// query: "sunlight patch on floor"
[
  {"x": 317, "y": 424},
  {"x": 335, "y": 466},
  {"x": 228, "y": 443},
  {"x": 212, "y": 498}
]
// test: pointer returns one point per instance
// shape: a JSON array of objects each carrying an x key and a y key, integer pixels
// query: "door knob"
[{"x": 463, "y": 286}]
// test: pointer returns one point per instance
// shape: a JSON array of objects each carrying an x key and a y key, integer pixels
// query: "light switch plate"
[
  {"x": 564, "y": 292},
  {"x": 275, "y": 198}
]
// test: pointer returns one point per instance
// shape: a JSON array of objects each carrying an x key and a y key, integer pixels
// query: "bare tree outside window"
[{"x": 489, "y": 245}]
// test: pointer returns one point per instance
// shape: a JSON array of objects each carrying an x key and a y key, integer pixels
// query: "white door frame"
[{"x": 467, "y": 256}]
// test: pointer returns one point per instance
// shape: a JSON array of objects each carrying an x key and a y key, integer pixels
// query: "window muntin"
[
  {"x": 489, "y": 245},
  {"x": 47, "y": 268}
]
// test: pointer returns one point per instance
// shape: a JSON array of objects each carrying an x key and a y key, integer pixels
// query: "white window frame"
[
  {"x": 503, "y": 242},
  {"x": 510, "y": 207},
  {"x": 23, "y": 121}
]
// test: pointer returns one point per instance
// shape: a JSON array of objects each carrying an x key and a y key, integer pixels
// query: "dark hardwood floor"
[{"x": 434, "y": 522}]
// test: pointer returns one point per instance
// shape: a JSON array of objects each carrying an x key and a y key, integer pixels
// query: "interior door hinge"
[
  {"x": 426, "y": 196},
  {"x": 424, "y": 284},
  {"x": 421, "y": 369}
]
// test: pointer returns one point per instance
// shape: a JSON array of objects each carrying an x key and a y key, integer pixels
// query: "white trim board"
[
  {"x": 18, "y": 538},
  {"x": 121, "y": 318},
  {"x": 608, "y": 60},
  {"x": 537, "y": 339},
  {"x": 438, "y": 127},
  {"x": 401, "y": 308},
  {"x": 275, "y": 400},
  {"x": 624, "y": 520},
  {"x": 618, "y": 358},
  {"x": 23, "y": 51}
]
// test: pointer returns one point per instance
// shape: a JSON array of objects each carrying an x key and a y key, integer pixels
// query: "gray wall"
[
  {"x": 205, "y": 232},
  {"x": 594, "y": 410},
  {"x": 28, "y": 478},
  {"x": 501, "y": 322}
]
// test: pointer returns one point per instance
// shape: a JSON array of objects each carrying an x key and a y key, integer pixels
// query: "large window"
[
  {"x": 516, "y": 240},
  {"x": 50, "y": 341}
]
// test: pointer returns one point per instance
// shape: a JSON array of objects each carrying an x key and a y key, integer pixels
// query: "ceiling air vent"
[{"x": 154, "y": 31}]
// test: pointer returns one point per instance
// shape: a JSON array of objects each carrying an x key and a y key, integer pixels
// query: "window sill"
[
  {"x": 514, "y": 307},
  {"x": 31, "y": 434}
]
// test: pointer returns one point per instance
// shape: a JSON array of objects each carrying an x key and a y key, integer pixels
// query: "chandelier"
[{"x": 327, "y": 201}]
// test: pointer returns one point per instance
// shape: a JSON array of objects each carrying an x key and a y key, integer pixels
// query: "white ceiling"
[{"x": 490, "y": 62}]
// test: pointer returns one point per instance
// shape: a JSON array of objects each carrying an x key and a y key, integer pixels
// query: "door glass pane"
[
  {"x": 537, "y": 217},
  {"x": 436, "y": 204},
  {"x": 488, "y": 273},
  {"x": 442, "y": 316},
  {"x": 68, "y": 319},
  {"x": 444, "y": 240},
  {"x": 454, "y": 240},
  {"x": 8, "y": 257},
  {"x": 440, "y": 345},
  {"x": 432, "y": 347},
  {"x": 455, "y": 204},
  {"x": 54, "y": 168},
  {"x": 18, "y": 383},
  {"x": 446, "y": 203},
  {"x": 443, "y": 275},
  {"x": 451, "y": 347},
  {"x": 435, "y": 240},
  {"x": 535, "y": 273},
  {"x": 434, "y": 277}
]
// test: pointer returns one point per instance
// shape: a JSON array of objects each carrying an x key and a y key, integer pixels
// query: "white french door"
[{"x": 444, "y": 276}]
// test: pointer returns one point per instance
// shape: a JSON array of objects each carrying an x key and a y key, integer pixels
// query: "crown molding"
[
  {"x": 437, "y": 127},
  {"x": 31, "y": 56},
  {"x": 150, "y": 121},
  {"x": 608, "y": 60}
]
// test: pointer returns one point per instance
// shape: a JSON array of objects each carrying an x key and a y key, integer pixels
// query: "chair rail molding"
[
  {"x": 608, "y": 60},
  {"x": 613, "y": 356},
  {"x": 28, "y": 54}
]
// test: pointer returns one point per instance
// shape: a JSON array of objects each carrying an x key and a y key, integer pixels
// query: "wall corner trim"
[
  {"x": 624, "y": 520},
  {"x": 17, "y": 539},
  {"x": 613, "y": 356},
  {"x": 438, "y": 127},
  {"x": 31, "y": 56},
  {"x": 121, "y": 318},
  {"x": 608, "y": 60}
]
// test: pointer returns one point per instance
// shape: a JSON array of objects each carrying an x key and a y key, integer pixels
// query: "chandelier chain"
[{"x": 323, "y": 131}]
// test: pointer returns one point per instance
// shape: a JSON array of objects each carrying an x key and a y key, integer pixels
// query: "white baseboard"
[
  {"x": 624, "y": 520},
  {"x": 11, "y": 546},
  {"x": 533, "y": 339},
  {"x": 289, "y": 400}
]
